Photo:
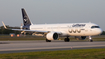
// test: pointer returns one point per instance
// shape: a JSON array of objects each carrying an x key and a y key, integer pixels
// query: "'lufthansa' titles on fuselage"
[{"x": 78, "y": 25}]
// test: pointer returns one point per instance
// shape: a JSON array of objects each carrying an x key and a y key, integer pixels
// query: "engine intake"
[{"x": 52, "y": 36}]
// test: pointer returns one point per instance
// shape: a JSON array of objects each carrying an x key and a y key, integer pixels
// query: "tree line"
[{"x": 8, "y": 31}]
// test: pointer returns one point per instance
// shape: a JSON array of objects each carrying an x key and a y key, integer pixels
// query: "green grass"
[{"x": 65, "y": 54}]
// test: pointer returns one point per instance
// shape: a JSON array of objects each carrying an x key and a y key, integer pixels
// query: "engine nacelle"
[
  {"x": 80, "y": 37},
  {"x": 52, "y": 36}
]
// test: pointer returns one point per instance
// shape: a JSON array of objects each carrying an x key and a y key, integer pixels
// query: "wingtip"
[{"x": 4, "y": 25}]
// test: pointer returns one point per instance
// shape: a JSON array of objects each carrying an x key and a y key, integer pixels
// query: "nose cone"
[{"x": 99, "y": 31}]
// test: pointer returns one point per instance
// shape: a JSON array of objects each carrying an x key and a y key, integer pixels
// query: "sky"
[{"x": 53, "y": 11}]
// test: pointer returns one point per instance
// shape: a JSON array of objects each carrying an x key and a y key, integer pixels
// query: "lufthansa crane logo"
[{"x": 25, "y": 20}]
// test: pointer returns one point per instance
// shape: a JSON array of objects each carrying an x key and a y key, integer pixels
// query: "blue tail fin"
[{"x": 26, "y": 20}]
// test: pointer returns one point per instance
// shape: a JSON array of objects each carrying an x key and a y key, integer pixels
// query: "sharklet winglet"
[{"x": 4, "y": 25}]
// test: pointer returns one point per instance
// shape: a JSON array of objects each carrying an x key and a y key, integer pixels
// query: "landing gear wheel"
[
  {"x": 91, "y": 40},
  {"x": 66, "y": 39},
  {"x": 48, "y": 40}
]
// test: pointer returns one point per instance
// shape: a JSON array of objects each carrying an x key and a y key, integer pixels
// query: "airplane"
[{"x": 54, "y": 31}]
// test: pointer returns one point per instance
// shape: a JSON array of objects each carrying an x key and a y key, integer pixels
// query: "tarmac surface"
[{"x": 41, "y": 45}]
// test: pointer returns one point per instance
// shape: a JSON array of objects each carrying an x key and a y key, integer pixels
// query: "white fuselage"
[{"x": 70, "y": 29}]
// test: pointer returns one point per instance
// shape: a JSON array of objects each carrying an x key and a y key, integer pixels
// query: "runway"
[{"x": 41, "y": 45}]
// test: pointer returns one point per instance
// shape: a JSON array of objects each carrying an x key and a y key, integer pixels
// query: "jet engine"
[
  {"x": 52, "y": 36},
  {"x": 80, "y": 37}
]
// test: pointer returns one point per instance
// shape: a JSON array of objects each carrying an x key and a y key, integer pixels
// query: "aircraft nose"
[{"x": 99, "y": 31}]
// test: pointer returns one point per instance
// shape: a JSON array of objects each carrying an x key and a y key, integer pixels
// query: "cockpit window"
[{"x": 95, "y": 27}]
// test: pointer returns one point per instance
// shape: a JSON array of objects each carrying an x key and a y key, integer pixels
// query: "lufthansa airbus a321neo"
[{"x": 54, "y": 31}]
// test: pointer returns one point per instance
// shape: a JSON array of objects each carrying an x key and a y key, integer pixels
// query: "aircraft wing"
[
  {"x": 29, "y": 30},
  {"x": 37, "y": 31}
]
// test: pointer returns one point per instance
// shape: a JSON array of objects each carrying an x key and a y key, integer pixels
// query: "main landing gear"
[
  {"x": 90, "y": 39},
  {"x": 67, "y": 39}
]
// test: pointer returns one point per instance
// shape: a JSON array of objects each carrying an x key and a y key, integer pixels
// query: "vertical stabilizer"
[{"x": 26, "y": 20}]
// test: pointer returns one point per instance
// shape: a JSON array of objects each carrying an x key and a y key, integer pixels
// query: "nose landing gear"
[{"x": 90, "y": 39}]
